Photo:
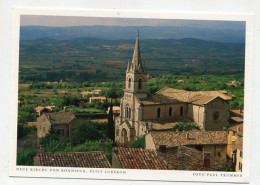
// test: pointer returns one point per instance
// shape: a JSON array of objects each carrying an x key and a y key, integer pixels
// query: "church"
[{"x": 141, "y": 113}]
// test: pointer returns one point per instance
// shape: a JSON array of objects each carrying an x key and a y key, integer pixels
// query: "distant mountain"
[
  {"x": 129, "y": 32},
  {"x": 162, "y": 56}
]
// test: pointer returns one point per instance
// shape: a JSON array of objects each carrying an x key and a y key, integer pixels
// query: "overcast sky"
[{"x": 61, "y": 21}]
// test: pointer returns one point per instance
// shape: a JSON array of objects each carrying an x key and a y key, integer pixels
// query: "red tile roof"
[
  {"x": 39, "y": 108},
  {"x": 138, "y": 158},
  {"x": 93, "y": 159},
  {"x": 238, "y": 112}
]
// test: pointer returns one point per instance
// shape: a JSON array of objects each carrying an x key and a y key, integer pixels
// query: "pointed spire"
[
  {"x": 128, "y": 66},
  {"x": 137, "y": 54}
]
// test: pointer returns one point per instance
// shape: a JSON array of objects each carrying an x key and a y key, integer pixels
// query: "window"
[
  {"x": 140, "y": 83},
  {"x": 60, "y": 132},
  {"x": 181, "y": 111},
  {"x": 129, "y": 114},
  {"x": 170, "y": 112},
  {"x": 216, "y": 116},
  {"x": 43, "y": 119},
  {"x": 126, "y": 112},
  {"x": 158, "y": 112},
  {"x": 129, "y": 83},
  {"x": 43, "y": 129},
  {"x": 240, "y": 166},
  {"x": 40, "y": 127}
]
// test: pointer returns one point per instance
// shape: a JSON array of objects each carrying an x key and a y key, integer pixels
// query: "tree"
[
  {"x": 185, "y": 127},
  {"x": 111, "y": 125},
  {"x": 138, "y": 143},
  {"x": 83, "y": 130}
]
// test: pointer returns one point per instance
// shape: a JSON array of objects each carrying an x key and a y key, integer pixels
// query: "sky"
[{"x": 62, "y": 21}]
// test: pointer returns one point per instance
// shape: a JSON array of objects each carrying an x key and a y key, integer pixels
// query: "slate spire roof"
[{"x": 136, "y": 65}]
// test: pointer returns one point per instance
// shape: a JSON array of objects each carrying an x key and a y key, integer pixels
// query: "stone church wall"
[
  {"x": 150, "y": 111},
  {"x": 217, "y": 115},
  {"x": 196, "y": 113}
]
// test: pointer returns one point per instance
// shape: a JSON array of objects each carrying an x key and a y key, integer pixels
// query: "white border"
[{"x": 163, "y": 175}]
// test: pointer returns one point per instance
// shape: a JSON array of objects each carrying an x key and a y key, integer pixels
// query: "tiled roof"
[
  {"x": 93, "y": 159},
  {"x": 236, "y": 119},
  {"x": 138, "y": 158},
  {"x": 39, "y": 108},
  {"x": 86, "y": 93},
  {"x": 98, "y": 98},
  {"x": 191, "y": 159},
  {"x": 238, "y": 128},
  {"x": 173, "y": 139},
  {"x": 60, "y": 117},
  {"x": 170, "y": 95},
  {"x": 238, "y": 112}
]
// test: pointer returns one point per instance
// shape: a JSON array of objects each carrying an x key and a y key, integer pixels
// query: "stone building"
[
  {"x": 210, "y": 142},
  {"x": 60, "y": 121},
  {"x": 235, "y": 145},
  {"x": 140, "y": 113}
]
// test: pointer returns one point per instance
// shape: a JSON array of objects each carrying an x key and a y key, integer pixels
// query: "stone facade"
[{"x": 60, "y": 121}]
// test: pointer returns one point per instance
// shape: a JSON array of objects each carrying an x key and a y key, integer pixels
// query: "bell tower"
[{"x": 136, "y": 76}]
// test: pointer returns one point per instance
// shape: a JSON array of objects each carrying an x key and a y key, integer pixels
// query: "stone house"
[
  {"x": 140, "y": 113},
  {"x": 186, "y": 158},
  {"x": 60, "y": 121},
  {"x": 211, "y": 142},
  {"x": 235, "y": 145},
  {"x": 97, "y": 99},
  {"x": 239, "y": 155},
  {"x": 96, "y": 91}
]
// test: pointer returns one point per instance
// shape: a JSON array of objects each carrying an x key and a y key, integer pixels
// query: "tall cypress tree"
[{"x": 111, "y": 125}]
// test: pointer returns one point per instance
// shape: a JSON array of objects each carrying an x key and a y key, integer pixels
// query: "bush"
[
  {"x": 83, "y": 130},
  {"x": 139, "y": 143},
  {"x": 185, "y": 126},
  {"x": 25, "y": 157}
]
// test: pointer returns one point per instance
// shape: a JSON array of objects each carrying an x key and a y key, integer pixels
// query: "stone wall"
[{"x": 217, "y": 115}]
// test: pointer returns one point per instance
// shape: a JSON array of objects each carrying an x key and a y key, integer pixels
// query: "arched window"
[
  {"x": 126, "y": 112},
  {"x": 140, "y": 83},
  {"x": 129, "y": 83},
  {"x": 170, "y": 112},
  {"x": 129, "y": 114},
  {"x": 158, "y": 112}
]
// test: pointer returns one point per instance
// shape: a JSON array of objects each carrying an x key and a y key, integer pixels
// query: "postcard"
[{"x": 131, "y": 95}]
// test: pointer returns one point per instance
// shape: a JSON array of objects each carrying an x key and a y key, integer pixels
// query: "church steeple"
[
  {"x": 136, "y": 76},
  {"x": 136, "y": 65}
]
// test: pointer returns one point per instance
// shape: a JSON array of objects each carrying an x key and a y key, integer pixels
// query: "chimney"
[
  {"x": 206, "y": 156},
  {"x": 40, "y": 149},
  {"x": 162, "y": 149}
]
